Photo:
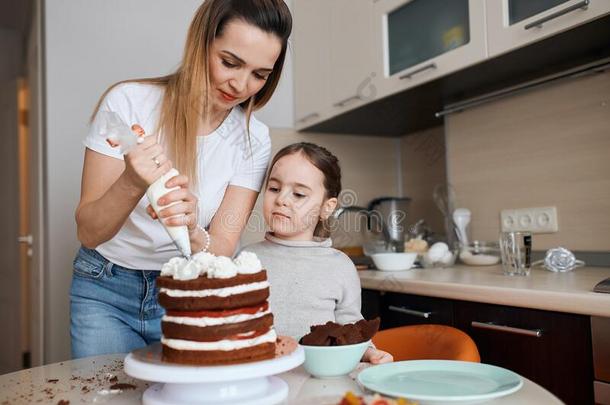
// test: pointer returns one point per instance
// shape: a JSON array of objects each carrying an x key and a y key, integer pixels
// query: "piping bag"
[{"x": 119, "y": 134}]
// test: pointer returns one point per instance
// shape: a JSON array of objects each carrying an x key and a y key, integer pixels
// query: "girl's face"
[
  {"x": 240, "y": 62},
  {"x": 294, "y": 199}
]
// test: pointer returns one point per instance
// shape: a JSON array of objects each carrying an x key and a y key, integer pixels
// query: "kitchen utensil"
[
  {"x": 479, "y": 253},
  {"x": 516, "y": 253},
  {"x": 394, "y": 261},
  {"x": 385, "y": 223},
  {"x": 252, "y": 383},
  {"x": 444, "y": 197},
  {"x": 461, "y": 219},
  {"x": 559, "y": 260},
  {"x": 441, "y": 381},
  {"x": 333, "y": 361}
]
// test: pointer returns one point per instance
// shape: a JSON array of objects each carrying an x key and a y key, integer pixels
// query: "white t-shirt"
[{"x": 225, "y": 157}]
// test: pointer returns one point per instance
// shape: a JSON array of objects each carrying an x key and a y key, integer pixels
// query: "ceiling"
[{"x": 15, "y": 15}]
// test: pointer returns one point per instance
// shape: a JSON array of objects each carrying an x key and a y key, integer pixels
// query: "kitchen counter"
[
  {"x": 570, "y": 292},
  {"x": 101, "y": 379}
]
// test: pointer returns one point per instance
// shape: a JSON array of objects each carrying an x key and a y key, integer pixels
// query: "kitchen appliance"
[{"x": 384, "y": 223}]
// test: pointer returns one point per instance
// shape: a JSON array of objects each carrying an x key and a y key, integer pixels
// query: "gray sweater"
[{"x": 311, "y": 284}]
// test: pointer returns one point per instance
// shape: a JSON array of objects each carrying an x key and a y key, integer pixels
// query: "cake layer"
[
  {"x": 259, "y": 352},
  {"x": 248, "y": 329},
  {"x": 213, "y": 302},
  {"x": 204, "y": 283}
]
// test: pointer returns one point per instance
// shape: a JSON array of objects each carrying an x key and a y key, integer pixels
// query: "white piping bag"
[{"x": 119, "y": 134}]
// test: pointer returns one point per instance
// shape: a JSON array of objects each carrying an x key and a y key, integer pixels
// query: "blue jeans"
[{"x": 112, "y": 309}]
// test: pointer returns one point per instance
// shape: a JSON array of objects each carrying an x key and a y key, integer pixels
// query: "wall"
[
  {"x": 423, "y": 168},
  {"x": 549, "y": 146}
]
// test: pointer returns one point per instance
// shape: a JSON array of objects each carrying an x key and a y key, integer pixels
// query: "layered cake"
[{"x": 216, "y": 310}]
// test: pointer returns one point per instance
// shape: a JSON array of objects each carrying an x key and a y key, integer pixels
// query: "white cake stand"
[{"x": 244, "y": 384}]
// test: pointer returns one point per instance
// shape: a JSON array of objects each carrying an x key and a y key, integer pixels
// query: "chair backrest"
[{"x": 421, "y": 342}]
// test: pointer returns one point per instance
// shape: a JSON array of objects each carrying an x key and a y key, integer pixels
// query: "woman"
[{"x": 201, "y": 114}]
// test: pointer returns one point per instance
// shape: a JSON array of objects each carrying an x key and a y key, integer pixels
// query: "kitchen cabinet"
[
  {"x": 386, "y": 67},
  {"x": 551, "y": 348},
  {"x": 420, "y": 40},
  {"x": 405, "y": 309},
  {"x": 352, "y": 71},
  {"x": 311, "y": 61},
  {"x": 334, "y": 69},
  {"x": 514, "y": 23}
]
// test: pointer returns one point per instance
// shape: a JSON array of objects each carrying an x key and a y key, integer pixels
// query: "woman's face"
[
  {"x": 294, "y": 198},
  {"x": 241, "y": 60}
]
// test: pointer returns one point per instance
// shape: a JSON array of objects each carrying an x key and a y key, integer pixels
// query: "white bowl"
[{"x": 394, "y": 261}]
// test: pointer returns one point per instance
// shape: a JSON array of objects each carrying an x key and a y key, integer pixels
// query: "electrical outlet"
[{"x": 535, "y": 220}]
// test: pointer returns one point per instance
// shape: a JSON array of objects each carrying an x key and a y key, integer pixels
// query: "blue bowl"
[{"x": 333, "y": 361}]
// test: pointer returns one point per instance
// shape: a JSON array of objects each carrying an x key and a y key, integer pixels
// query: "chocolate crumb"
[
  {"x": 52, "y": 380},
  {"x": 63, "y": 402},
  {"x": 114, "y": 379},
  {"x": 122, "y": 386}
]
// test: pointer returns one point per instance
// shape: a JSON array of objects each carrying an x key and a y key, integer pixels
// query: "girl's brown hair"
[
  {"x": 324, "y": 161},
  {"x": 186, "y": 90}
]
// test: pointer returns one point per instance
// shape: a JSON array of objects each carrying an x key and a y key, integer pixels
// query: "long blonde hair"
[{"x": 186, "y": 90}]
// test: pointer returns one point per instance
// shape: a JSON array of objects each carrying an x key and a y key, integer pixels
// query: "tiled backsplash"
[{"x": 546, "y": 147}]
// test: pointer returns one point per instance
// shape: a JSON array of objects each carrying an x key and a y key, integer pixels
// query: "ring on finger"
[{"x": 156, "y": 160}]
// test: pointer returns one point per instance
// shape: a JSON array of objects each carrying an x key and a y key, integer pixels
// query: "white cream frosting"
[
  {"x": 217, "y": 292},
  {"x": 213, "y": 321},
  {"x": 214, "y": 266},
  {"x": 225, "y": 344},
  {"x": 222, "y": 267},
  {"x": 248, "y": 263}
]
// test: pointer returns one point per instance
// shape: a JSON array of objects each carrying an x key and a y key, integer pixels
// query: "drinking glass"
[{"x": 516, "y": 252}]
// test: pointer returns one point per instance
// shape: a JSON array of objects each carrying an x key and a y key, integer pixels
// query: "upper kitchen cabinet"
[
  {"x": 515, "y": 23},
  {"x": 311, "y": 31},
  {"x": 352, "y": 70},
  {"x": 333, "y": 58},
  {"x": 420, "y": 40}
]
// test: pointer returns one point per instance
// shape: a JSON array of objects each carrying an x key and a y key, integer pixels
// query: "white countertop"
[
  {"x": 90, "y": 380},
  {"x": 564, "y": 292}
]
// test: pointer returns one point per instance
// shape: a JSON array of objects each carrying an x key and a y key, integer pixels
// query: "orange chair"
[{"x": 425, "y": 342}]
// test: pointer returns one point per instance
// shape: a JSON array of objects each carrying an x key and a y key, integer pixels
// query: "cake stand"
[{"x": 244, "y": 384}]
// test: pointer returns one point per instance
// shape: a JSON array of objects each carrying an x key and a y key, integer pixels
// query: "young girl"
[{"x": 311, "y": 283}]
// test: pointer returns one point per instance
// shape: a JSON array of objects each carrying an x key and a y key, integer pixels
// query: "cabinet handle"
[
  {"x": 346, "y": 101},
  {"x": 416, "y": 71},
  {"x": 538, "y": 23},
  {"x": 410, "y": 311},
  {"x": 309, "y": 116},
  {"x": 501, "y": 328}
]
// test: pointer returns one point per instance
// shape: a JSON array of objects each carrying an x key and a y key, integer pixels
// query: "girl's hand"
[
  {"x": 184, "y": 211},
  {"x": 146, "y": 162},
  {"x": 375, "y": 356}
]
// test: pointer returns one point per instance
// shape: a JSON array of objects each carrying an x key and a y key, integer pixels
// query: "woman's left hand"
[
  {"x": 184, "y": 208},
  {"x": 375, "y": 356}
]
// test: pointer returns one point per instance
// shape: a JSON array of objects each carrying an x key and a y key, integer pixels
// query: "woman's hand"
[
  {"x": 184, "y": 208},
  {"x": 375, "y": 356},
  {"x": 146, "y": 162}
]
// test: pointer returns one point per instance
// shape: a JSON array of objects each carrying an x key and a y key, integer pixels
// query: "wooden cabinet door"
[
  {"x": 405, "y": 309},
  {"x": 352, "y": 74},
  {"x": 551, "y": 348},
  {"x": 371, "y": 303}
]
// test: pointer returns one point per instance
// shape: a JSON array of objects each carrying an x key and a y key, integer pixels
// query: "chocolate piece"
[{"x": 334, "y": 334}]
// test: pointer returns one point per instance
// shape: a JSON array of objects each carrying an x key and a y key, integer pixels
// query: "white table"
[{"x": 90, "y": 380}]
